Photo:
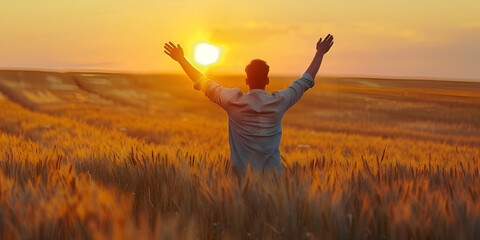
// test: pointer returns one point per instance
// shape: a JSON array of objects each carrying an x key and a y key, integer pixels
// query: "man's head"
[{"x": 257, "y": 74}]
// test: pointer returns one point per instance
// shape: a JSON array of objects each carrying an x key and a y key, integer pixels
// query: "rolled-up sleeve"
[
  {"x": 216, "y": 93},
  {"x": 294, "y": 92}
]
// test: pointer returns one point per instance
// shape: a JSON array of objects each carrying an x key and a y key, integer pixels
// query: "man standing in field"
[{"x": 254, "y": 118}]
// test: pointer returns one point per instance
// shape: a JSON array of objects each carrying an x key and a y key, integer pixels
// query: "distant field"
[{"x": 118, "y": 156}]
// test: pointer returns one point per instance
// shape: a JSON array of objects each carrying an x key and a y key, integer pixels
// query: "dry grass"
[{"x": 101, "y": 165}]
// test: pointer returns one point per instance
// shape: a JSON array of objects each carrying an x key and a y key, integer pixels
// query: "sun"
[{"x": 206, "y": 54}]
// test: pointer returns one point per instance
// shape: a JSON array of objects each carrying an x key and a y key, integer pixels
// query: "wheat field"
[{"x": 119, "y": 156}]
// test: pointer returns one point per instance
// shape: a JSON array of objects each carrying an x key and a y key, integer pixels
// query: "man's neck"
[{"x": 257, "y": 88}]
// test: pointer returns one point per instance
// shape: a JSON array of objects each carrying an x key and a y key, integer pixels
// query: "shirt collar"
[{"x": 257, "y": 90}]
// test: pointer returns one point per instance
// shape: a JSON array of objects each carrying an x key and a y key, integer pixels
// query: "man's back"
[
  {"x": 255, "y": 121},
  {"x": 255, "y": 130}
]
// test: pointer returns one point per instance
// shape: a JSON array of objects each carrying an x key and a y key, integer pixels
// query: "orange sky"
[{"x": 384, "y": 38}]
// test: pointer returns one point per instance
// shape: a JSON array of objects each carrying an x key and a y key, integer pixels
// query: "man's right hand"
[
  {"x": 325, "y": 45},
  {"x": 175, "y": 52}
]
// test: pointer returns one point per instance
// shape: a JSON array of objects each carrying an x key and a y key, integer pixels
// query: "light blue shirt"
[{"x": 255, "y": 120}]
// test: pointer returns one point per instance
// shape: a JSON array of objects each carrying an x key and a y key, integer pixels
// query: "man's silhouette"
[{"x": 254, "y": 118}]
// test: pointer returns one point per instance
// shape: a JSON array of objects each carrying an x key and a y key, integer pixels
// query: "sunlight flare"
[{"x": 206, "y": 54}]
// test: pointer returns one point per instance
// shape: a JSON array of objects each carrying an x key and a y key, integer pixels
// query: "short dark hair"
[{"x": 257, "y": 70}]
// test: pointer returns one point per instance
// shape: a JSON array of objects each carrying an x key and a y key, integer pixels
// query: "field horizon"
[
  {"x": 240, "y": 75},
  {"x": 132, "y": 156}
]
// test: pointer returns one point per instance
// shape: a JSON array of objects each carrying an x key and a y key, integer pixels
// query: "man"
[{"x": 254, "y": 118}]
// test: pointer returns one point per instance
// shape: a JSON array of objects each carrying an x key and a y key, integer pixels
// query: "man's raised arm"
[
  {"x": 322, "y": 48},
  {"x": 295, "y": 91},
  {"x": 176, "y": 53},
  {"x": 216, "y": 93}
]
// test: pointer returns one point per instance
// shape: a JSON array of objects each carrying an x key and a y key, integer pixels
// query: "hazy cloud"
[{"x": 251, "y": 32}]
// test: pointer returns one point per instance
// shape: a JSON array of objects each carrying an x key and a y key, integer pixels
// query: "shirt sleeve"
[
  {"x": 216, "y": 93},
  {"x": 294, "y": 92}
]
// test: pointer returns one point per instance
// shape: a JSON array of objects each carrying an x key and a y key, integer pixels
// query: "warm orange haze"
[
  {"x": 207, "y": 120},
  {"x": 381, "y": 38}
]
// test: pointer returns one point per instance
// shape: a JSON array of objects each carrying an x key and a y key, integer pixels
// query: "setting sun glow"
[
  {"x": 438, "y": 39},
  {"x": 206, "y": 54}
]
